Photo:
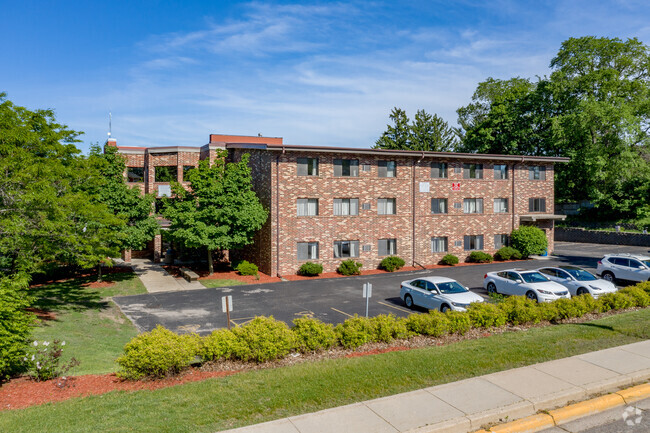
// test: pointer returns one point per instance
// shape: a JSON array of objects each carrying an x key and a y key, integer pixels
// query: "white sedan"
[
  {"x": 578, "y": 281},
  {"x": 532, "y": 284},
  {"x": 437, "y": 293}
]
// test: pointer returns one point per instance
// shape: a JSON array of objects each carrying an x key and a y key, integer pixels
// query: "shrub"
[
  {"x": 459, "y": 322},
  {"x": 529, "y": 240},
  {"x": 392, "y": 263},
  {"x": 507, "y": 253},
  {"x": 449, "y": 260},
  {"x": 640, "y": 297},
  {"x": 263, "y": 339},
  {"x": 616, "y": 301},
  {"x": 310, "y": 269},
  {"x": 355, "y": 331},
  {"x": 44, "y": 360},
  {"x": 549, "y": 311},
  {"x": 246, "y": 268},
  {"x": 520, "y": 310},
  {"x": 567, "y": 308},
  {"x": 479, "y": 257},
  {"x": 434, "y": 323},
  {"x": 221, "y": 344},
  {"x": 15, "y": 324},
  {"x": 486, "y": 315},
  {"x": 349, "y": 267},
  {"x": 157, "y": 354},
  {"x": 644, "y": 286},
  {"x": 388, "y": 328},
  {"x": 312, "y": 334}
]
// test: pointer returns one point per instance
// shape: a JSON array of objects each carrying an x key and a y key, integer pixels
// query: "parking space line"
[
  {"x": 245, "y": 320},
  {"x": 339, "y": 311},
  {"x": 404, "y": 310}
]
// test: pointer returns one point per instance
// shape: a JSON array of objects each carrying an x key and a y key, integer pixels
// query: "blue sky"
[{"x": 319, "y": 73}]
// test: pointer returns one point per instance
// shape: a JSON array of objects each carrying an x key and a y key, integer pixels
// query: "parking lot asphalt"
[{"x": 330, "y": 300}]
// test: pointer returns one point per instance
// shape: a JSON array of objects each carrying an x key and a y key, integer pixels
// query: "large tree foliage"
[
  {"x": 126, "y": 203},
  {"x": 426, "y": 133},
  {"x": 594, "y": 108},
  {"x": 219, "y": 211}
]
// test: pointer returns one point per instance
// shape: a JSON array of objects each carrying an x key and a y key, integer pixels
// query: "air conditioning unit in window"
[
  {"x": 365, "y": 206},
  {"x": 367, "y": 247}
]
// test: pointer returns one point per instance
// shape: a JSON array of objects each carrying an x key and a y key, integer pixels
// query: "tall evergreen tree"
[{"x": 427, "y": 132}]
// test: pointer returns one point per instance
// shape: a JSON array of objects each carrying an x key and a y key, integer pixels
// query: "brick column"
[
  {"x": 126, "y": 256},
  {"x": 157, "y": 248}
]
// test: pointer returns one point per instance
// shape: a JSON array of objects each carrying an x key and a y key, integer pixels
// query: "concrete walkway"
[
  {"x": 156, "y": 279},
  {"x": 468, "y": 405}
]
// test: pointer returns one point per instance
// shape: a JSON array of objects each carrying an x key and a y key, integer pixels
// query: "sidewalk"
[
  {"x": 156, "y": 279},
  {"x": 468, "y": 405}
]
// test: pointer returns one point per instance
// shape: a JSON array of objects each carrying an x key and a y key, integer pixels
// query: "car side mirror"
[
  {"x": 641, "y": 267},
  {"x": 519, "y": 281}
]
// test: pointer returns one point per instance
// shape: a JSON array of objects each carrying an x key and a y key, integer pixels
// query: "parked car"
[
  {"x": 578, "y": 281},
  {"x": 437, "y": 293},
  {"x": 630, "y": 267},
  {"x": 532, "y": 284}
]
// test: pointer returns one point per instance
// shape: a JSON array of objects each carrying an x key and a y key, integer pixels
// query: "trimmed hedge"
[
  {"x": 479, "y": 257},
  {"x": 449, "y": 260},
  {"x": 392, "y": 263},
  {"x": 161, "y": 352},
  {"x": 310, "y": 269}
]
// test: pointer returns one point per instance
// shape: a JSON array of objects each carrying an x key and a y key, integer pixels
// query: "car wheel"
[
  {"x": 408, "y": 300},
  {"x": 608, "y": 276},
  {"x": 492, "y": 288},
  {"x": 582, "y": 291},
  {"x": 532, "y": 296},
  {"x": 444, "y": 308}
]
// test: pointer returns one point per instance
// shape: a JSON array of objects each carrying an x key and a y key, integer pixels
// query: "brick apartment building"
[{"x": 327, "y": 204}]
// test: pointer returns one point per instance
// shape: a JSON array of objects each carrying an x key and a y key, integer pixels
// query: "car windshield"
[
  {"x": 534, "y": 277},
  {"x": 580, "y": 274},
  {"x": 646, "y": 262},
  {"x": 451, "y": 287}
]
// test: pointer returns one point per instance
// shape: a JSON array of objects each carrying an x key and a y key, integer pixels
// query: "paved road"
[
  {"x": 626, "y": 419},
  {"x": 330, "y": 300}
]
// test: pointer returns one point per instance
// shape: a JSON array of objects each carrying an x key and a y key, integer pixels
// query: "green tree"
[
  {"x": 219, "y": 211},
  {"x": 426, "y": 133},
  {"x": 396, "y": 136}
]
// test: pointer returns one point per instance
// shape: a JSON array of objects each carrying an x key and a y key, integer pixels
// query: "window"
[
  {"x": 537, "y": 205},
  {"x": 346, "y": 206},
  {"x": 439, "y": 245},
  {"x": 473, "y": 205},
  {"x": 439, "y": 170},
  {"x": 500, "y": 205},
  {"x": 537, "y": 172},
  {"x": 346, "y": 167},
  {"x": 386, "y": 206},
  {"x": 307, "y": 166},
  {"x": 473, "y": 171},
  {"x": 500, "y": 171},
  {"x": 307, "y": 250},
  {"x": 386, "y": 168},
  {"x": 307, "y": 206},
  {"x": 387, "y": 247},
  {"x": 346, "y": 249},
  {"x": 438, "y": 205},
  {"x": 473, "y": 242},
  {"x": 500, "y": 241},
  {"x": 165, "y": 173},
  {"x": 186, "y": 170},
  {"x": 135, "y": 174}
]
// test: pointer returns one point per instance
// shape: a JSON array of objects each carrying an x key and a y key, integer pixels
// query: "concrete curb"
[{"x": 556, "y": 417}]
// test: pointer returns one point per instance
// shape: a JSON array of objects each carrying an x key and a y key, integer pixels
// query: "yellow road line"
[
  {"x": 339, "y": 311},
  {"x": 393, "y": 306}
]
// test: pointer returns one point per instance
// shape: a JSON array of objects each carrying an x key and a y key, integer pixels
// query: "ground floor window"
[
  {"x": 500, "y": 241},
  {"x": 346, "y": 249},
  {"x": 307, "y": 250},
  {"x": 473, "y": 242},
  {"x": 387, "y": 247},
  {"x": 439, "y": 245}
]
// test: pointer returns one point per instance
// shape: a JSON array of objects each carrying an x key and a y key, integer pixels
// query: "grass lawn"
[
  {"x": 257, "y": 396},
  {"x": 94, "y": 329},
  {"x": 209, "y": 283}
]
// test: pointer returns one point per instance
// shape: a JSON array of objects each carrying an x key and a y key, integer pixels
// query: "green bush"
[
  {"x": 15, "y": 324},
  {"x": 158, "y": 353},
  {"x": 641, "y": 297},
  {"x": 313, "y": 335},
  {"x": 349, "y": 267},
  {"x": 567, "y": 309},
  {"x": 263, "y": 339},
  {"x": 479, "y": 257},
  {"x": 449, "y": 260},
  {"x": 644, "y": 286},
  {"x": 392, "y": 263},
  {"x": 520, "y": 310},
  {"x": 459, "y": 322},
  {"x": 529, "y": 240},
  {"x": 355, "y": 331},
  {"x": 221, "y": 344},
  {"x": 388, "y": 328},
  {"x": 616, "y": 301},
  {"x": 586, "y": 303},
  {"x": 486, "y": 315},
  {"x": 246, "y": 268},
  {"x": 310, "y": 269},
  {"x": 507, "y": 253},
  {"x": 434, "y": 323},
  {"x": 548, "y": 311}
]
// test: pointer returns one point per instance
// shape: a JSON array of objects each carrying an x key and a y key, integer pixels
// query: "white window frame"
[
  {"x": 385, "y": 205},
  {"x": 473, "y": 205},
  {"x": 500, "y": 205},
  {"x": 346, "y": 207},
  {"x": 307, "y": 207}
]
